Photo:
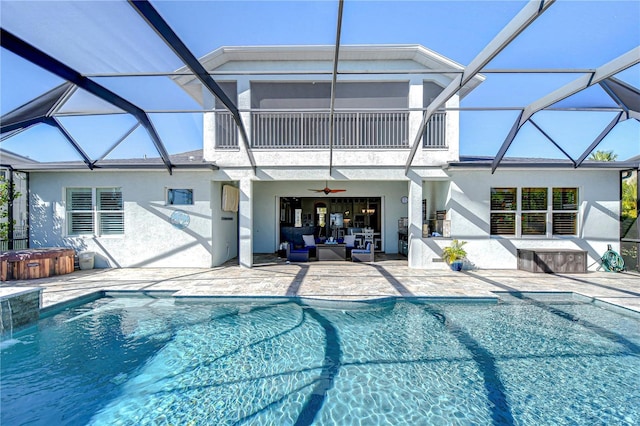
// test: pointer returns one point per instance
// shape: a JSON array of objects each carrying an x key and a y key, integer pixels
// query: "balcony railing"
[
  {"x": 352, "y": 130},
  {"x": 435, "y": 132},
  {"x": 226, "y": 131}
]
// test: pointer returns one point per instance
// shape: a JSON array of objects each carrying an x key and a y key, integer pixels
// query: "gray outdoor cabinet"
[{"x": 552, "y": 260}]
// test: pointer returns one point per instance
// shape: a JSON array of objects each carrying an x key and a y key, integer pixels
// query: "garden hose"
[{"x": 611, "y": 261}]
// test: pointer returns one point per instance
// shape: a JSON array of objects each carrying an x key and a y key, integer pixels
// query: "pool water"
[{"x": 528, "y": 360}]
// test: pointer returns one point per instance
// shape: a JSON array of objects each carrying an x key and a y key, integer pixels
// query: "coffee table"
[{"x": 331, "y": 251}]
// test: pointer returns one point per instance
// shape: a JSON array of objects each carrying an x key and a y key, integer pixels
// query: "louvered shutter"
[
  {"x": 110, "y": 211},
  {"x": 503, "y": 223},
  {"x": 79, "y": 211},
  {"x": 534, "y": 200},
  {"x": 565, "y": 222},
  {"x": 534, "y": 224}
]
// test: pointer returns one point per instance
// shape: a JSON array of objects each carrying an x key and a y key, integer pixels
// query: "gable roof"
[{"x": 409, "y": 59}]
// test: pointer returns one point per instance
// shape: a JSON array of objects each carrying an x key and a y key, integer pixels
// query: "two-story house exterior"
[
  {"x": 302, "y": 138},
  {"x": 284, "y": 95}
]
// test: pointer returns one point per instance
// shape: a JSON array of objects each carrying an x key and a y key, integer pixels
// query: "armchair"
[
  {"x": 297, "y": 255},
  {"x": 363, "y": 255}
]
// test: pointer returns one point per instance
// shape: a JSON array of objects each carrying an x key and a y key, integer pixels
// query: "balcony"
[{"x": 310, "y": 130}]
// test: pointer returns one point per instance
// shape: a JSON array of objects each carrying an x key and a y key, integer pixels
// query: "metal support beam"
[
  {"x": 14, "y": 128},
  {"x": 518, "y": 24},
  {"x": 14, "y": 133},
  {"x": 617, "y": 119},
  {"x": 333, "y": 85},
  {"x": 62, "y": 100},
  {"x": 38, "y": 57},
  {"x": 615, "y": 97},
  {"x": 35, "y": 111},
  {"x": 118, "y": 142},
  {"x": 546, "y": 135},
  {"x": 607, "y": 70},
  {"x": 55, "y": 123},
  {"x": 601, "y": 73},
  {"x": 512, "y": 134},
  {"x": 164, "y": 31},
  {"x": 615, "y": 88}
]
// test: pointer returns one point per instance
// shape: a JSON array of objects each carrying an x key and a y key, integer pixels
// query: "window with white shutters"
[
  {"x": 503, "y": 206},
  {"x": 110, "y": 211},
  {"x": 528, "y": 212},
  {"x": 565, "y": 211},
  {"x": 94, "y": 211},
  {"x": 534, "y": 211}
]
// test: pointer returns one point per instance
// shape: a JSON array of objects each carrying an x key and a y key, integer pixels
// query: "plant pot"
[{"x": 456, "y": 265}]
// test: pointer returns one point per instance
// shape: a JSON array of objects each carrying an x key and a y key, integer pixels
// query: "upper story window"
[
  {"x": 230, "y": 88},
  {"x": 94, "y": 211},
  {"x": 530, "y": 211},
  {"x": 295, "y": 96},
  {"x": 430, "y": 91}
]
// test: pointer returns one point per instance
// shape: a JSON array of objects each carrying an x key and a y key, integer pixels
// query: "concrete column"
[
  {"x": 415, "y": 101},
  {"x": 245, "y": 223},
  {"x": 453, "y": 129},
  {"x": 244, "y": 103},
  {"x": 208, "y": 126},
  {"x": 209, "y": 136},
  {"x": 415, "y": 257}
]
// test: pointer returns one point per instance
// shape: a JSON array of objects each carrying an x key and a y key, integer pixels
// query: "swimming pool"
[{"x": 530, "y": 359}]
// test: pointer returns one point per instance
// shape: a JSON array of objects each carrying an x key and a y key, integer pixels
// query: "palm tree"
[{"x": 603, "y": 156}]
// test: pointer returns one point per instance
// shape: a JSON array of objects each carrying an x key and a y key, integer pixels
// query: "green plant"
[
  {"x": 454, "y": 252},
  {"x": 629, "y": 199},
  {"x": 5, "y": 202}
]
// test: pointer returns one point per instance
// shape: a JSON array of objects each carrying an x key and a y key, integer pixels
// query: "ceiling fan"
[{"x": 327, "y": 190}]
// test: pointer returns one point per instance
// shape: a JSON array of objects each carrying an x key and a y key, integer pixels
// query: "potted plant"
[{"x": 454, "y": 254}]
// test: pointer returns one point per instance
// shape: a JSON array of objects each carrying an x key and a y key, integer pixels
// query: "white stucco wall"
[
  {"x": 468, "y": 209},
  {"x": 212, "y": 235},
  {"x": 149, "y": 239}
]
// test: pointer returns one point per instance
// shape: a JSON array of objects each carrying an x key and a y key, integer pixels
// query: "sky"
[{"x": 108, "y": 37}]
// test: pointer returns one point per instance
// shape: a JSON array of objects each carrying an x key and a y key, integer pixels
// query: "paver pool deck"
[{"x": 332, "y": 280}]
